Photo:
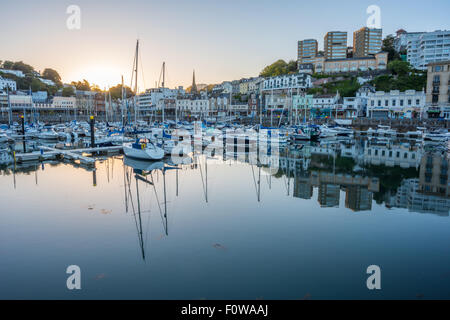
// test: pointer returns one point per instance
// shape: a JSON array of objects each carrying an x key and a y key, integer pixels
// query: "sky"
[{"x": 221, "y": 40}]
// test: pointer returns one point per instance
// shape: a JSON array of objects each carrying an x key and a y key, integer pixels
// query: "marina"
[{"x": 201, "y": 222}]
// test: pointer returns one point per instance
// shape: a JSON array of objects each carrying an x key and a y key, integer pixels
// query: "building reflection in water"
[{"x": 394, "y": 173}]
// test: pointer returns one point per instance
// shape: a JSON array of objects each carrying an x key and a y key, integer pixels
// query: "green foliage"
[
  {"x": 399, "y": 67},
  {"x": 68, "y": 92},
  {"x": 8, "y": 65},
  {"x": 52, "y": 75},
  {"x": 346, "y": 87},
  {"x": 414, "y": 81},
  {"x": 81, "y": 85},
  {"x": 279, "y": 68},
  {"x": 388, "y": 46},
  {"x": 116, "y": 92}
]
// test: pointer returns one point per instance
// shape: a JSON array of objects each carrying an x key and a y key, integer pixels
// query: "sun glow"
[{"x": 102, "y": 76}]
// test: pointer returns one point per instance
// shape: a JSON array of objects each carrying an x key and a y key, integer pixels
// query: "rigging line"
[
  {"x": 157, "y": 200},
  {"x": 142, "y": 69},
  {"x": 201, "y": 177},
  {"x": 254, "y": 181},
  {"x": 130, "y": 194}
]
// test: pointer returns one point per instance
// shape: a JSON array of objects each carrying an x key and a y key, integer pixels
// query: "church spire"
[{"x": 194, "y": 86}]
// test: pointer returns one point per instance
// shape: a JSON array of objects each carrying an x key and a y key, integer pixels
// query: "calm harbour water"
[{"x": 225, "y": 229}]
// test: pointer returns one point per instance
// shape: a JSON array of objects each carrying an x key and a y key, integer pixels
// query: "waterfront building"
[
  {"x": 302, "y": 105},
  {"x": 335, "y": 45},
  {"x": 427, "y": 47},
  {"x": 249, "y": 85},
  {"x": 438, "y": 90},
  {"x": 39, "y": 96},
  {"x": 254, "y": 104},
  {"x": 277, "y": 103},
  {"x": 307, "y": 51},
  {"x": 20, "y": 101},
  {"x": 375, "y": 62},
  {"x": 65, "y": 102},
  {"x": 7, "y": 83},
  {"x": 285, "y": 82},
  {"x": 366, "y": 42},
  {"x": 150, "y": 98},
  {"x": 324, "y": 105},
  {"x": 395, "y": 104},
  {"x": 193, "y": 106}
]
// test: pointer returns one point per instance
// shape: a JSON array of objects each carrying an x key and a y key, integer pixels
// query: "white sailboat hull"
[{"x": 154, "y": 153}]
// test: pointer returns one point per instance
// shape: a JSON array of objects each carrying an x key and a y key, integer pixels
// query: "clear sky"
[{"x": 221, "y": 40}]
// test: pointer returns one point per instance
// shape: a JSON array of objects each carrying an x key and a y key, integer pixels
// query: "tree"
[
  {"x": 399, "y": 67},
  {"x": 52, "y": 75},
  {"x": 82, "y": 85},
  {"x": 388, "y": 46},
  {"x": 37, "y": 85},
  {"x": 8, "y": 65},
  {"x": 275, "y": 69},
  {"x": 21, "y": 66},
  {"x": 68, "y": 91},
  {"x": 116, "y": 92}
]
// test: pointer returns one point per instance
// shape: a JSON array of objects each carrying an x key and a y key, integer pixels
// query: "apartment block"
[
  {"x": 335, "y": 45},
  {"x": 307, "y": 50},
  {"x": 438, "y": 90},
  {"x": 367, "y": 42},
  {"x": 425, "y": 48}
]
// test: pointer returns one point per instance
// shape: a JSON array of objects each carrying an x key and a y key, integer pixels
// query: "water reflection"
[
  {"x": 398, "y": 174},
  {"x": 221, "y": 221}
]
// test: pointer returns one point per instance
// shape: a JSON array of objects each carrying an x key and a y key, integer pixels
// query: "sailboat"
[{"x": 143, "y": 149}]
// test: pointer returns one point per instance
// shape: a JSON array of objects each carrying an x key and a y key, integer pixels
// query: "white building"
[
  {"x": 427, "y": 47},
  {"x": 291, "y": 81},
  {"x": 17, "y": 73},
  {"x": 7, "y": 83},
  {"x": 151, "y": 97},
  {"x": 191, "y": 106},
  {"x": 39, "y": 96},
  {"x": 47, "y": 82},
  {"x": 396, "y": 104},
  {"x": 225, "y": 87},
  {"x": 64, "y": 102},
  {"x": 20, "y": 102}
]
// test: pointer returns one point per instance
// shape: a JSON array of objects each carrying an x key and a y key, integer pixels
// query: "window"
[
  {"x": 393, "y": 103},
  {"x": 386, "y": 103},
  {"x": 390, "y": 154},
  {"x": 435, "y": 98},
  {"x": 417, "y": 101},
  {"x": 398, "y": 154},
  {"x": 409, "y": 102},
  {"x": 401, "y": 103}
]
